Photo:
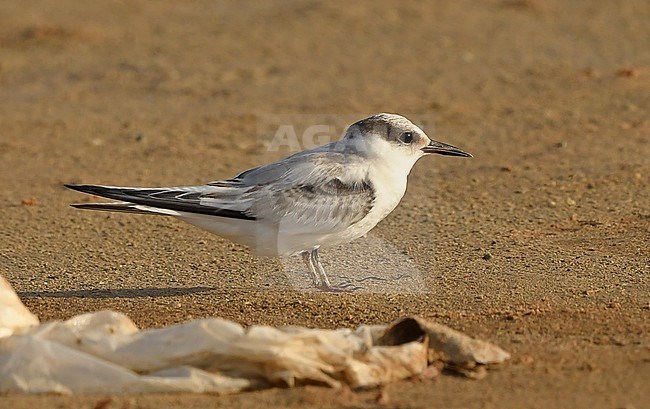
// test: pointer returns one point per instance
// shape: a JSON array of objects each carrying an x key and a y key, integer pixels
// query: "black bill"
[{"x": 444, "y": 149}]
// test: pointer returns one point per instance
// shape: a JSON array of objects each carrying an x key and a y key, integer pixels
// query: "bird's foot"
[{"x": 345, "y": 287}]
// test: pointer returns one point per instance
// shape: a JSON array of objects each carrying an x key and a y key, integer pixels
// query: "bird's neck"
[{"x": 389, "y": 177}]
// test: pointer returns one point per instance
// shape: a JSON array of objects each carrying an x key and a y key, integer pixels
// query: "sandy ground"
[{"x": 539, "y": 243}]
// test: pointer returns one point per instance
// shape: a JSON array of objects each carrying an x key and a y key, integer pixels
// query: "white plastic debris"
[
  {"x": 14, "y": 316},
  {"x": 104, "y": 352}
]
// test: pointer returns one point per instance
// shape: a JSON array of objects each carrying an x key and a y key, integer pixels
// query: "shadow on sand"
[{"x": 117, "y": 293}]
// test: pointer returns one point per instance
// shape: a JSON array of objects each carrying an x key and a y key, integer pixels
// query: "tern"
[{"x": 314, "y": 199}]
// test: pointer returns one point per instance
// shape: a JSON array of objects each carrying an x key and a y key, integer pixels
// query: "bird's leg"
[
  {"x": 325, "y": 282},
  {"x": 307, "y": 258}
]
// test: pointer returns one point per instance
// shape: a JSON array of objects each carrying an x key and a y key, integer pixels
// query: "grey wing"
[
  {"x": 324, "y": 207},
  {"x": 319, "y": 192},
  {"x": 275, "y": 171},
  {"x": 308, "y": 192}
]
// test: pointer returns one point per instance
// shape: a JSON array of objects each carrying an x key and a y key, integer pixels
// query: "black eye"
[{"x": 406, "y": 137}]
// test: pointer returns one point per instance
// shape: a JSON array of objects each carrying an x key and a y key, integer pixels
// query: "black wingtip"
[
  {"x": 73, "y": 186},
  {"x": 146, "y": 197},
  {"x": 90, "y": 189}
]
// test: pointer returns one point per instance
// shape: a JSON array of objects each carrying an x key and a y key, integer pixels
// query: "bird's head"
[{"x": 393, "y": 137}]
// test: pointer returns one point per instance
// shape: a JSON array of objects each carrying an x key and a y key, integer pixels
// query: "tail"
[{"x": 115, "y": 193}]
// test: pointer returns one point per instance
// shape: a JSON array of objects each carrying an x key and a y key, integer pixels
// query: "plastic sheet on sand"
[{"x": 104, "y": 352}]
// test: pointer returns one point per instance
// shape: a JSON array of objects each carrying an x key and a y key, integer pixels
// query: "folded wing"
[{"x": 306, "y": 193}]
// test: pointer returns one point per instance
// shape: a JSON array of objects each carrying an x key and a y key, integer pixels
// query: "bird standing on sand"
[{"x": 314, "y": 199}]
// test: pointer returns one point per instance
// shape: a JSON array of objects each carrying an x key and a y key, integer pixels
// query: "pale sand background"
[{"x": 551, "y": 97}]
